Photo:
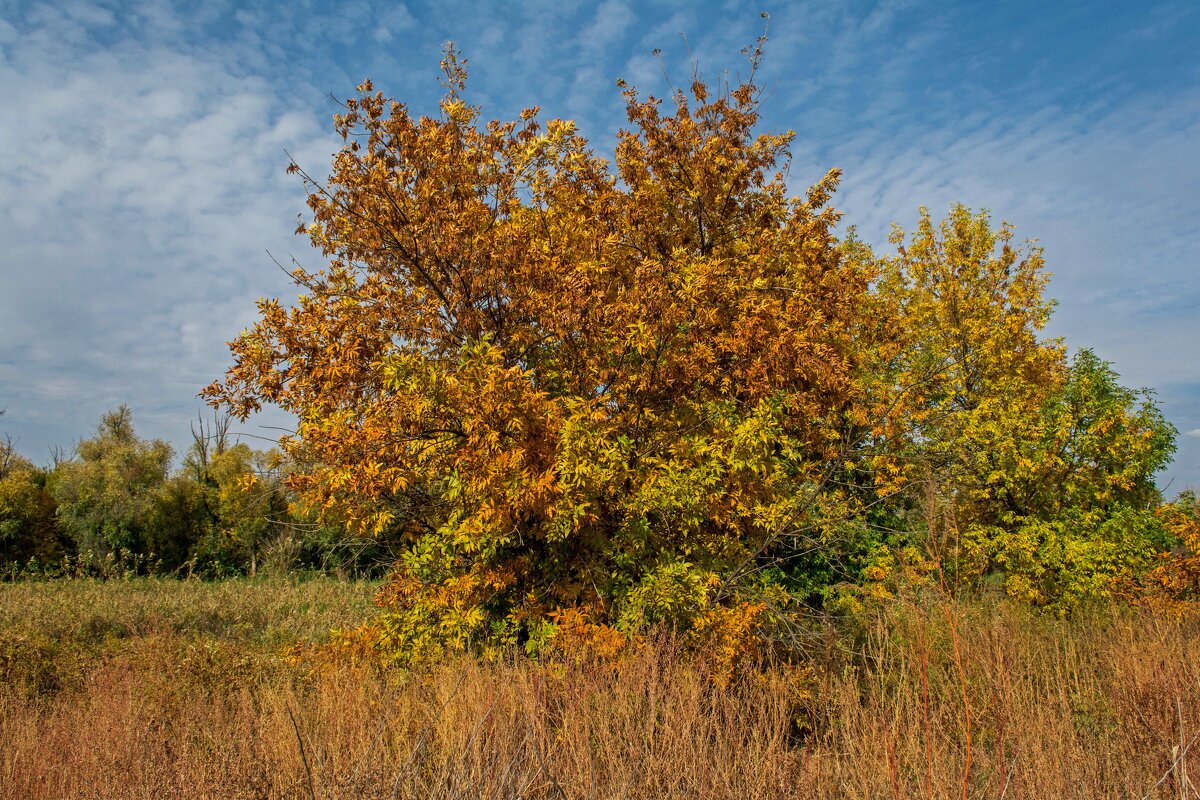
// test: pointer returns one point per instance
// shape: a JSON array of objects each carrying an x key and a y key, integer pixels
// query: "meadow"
[{"x": 153, "y": 688}]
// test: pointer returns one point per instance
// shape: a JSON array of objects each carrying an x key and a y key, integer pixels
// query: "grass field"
[{"x": 158, "y": 688}]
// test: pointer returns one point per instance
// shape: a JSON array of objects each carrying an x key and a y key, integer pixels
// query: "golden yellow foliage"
[{"x": 1173, "y": 585}]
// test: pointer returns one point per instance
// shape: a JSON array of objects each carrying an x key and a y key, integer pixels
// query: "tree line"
[{"x": 117, "y": 506}]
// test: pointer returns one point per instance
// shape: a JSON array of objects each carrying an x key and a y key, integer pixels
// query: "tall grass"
[
  {"x": 53, "y": 634},
  {"x": 191, "y": 697}
]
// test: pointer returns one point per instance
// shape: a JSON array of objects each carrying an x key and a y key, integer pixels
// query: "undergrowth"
[{"x": 176, "y": 689}]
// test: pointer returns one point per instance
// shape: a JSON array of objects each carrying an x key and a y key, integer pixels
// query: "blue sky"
[{"x": 142, "y": 156}]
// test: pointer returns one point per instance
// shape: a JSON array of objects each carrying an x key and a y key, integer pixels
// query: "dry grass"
[{"x": 924, "y": 701}]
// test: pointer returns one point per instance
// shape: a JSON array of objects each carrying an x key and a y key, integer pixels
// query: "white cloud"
[
  {"x": 1109, "y": 196},
  {"x": 611, "y": 20},
  {"x": 140, "y": 185}
]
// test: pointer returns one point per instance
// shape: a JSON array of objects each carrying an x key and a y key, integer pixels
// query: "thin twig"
[
  {"x": 537, "y": 752},
  {"x": 425, "y": 729},
  {"x": 1182, "y": 754},
  {"x": 312, "y": 789},
  {"x": 1008, "y": 778}
]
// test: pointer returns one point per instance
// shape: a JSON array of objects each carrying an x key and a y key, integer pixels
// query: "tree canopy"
[{"x": 593, "y": 396}]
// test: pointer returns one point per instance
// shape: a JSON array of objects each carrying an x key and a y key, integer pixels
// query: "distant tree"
[
  {"x": 249, "y": 500},
  {"x": 242, "y": 493},
  {"x": 178, "y": 525},
  {"x": 27, "y": 523},
  {"x": 109, "y": 495}
]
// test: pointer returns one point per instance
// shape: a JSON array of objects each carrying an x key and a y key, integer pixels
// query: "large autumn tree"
[
  {"x": 591, "y": 397},
  {"x": 603, "y": 395}
]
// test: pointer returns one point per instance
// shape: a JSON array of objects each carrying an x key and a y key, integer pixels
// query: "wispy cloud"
[{"x": 141, "y": 186}]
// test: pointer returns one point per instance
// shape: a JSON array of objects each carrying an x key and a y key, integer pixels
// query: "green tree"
[
  {"x": 971, "y": 374},
  {"x": 27, "y": 523},
  {"x": 1086, "y": 485},
  {"x": 1027, "y": 464},
  {"x": 249, "y": 500},
  {"x": 241, "y": 497},
  {"x": 109, "y": 496}
]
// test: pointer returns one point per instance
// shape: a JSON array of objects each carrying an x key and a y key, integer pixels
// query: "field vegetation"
[{"x": 155, "y": 688}]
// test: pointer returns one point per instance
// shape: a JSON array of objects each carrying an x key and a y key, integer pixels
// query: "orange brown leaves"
[
  {"x": 557, "y": 379},
  {"x": 1173, "y": 584}
]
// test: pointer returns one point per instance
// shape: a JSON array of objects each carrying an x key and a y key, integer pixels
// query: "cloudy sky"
[{"x": 142, "y": 157}]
